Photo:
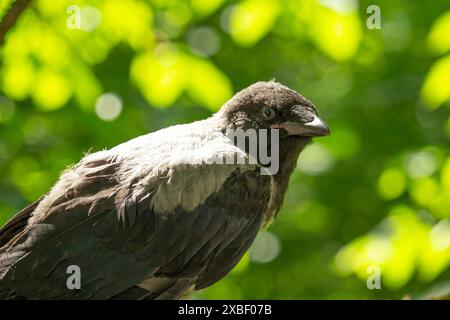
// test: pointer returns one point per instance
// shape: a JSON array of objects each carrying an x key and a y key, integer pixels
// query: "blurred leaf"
[
  {"x": 337, "y": 34},
  {"x": 409, "y": 244},
  {"x": 48, "y": 81},
  {"x": 208, "y": 85},
  {"x": 436, "y": 90},
  {"x": 438, "y": 39},
  {"x": 251, "y": 20},
  {"x": 18, "y": 79},
  {"x": 424, "y": 191},
  {"x": 128, "y": 20},
  {"x": 161, "y": 75},
  {"x": 391, "y": 183},
  {"x": 206, "y": 7}
]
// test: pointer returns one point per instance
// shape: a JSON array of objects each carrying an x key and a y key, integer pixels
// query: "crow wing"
[
  {"x": 17, "y": 223},
  {"x": 123, "y": 243}
]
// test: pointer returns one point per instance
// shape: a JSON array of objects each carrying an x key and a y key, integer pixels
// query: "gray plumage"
[{"x": 156, "y": 217}]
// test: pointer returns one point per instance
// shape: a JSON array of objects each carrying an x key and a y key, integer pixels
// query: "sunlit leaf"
[
  {"x": 408, "y": 235},
  {"x": 54, "y": 8},
  {"x": 208, "y": 85},
  {"x": 409, "y": 245},
  {"x": 161, "y": 77},
  {"x": 438, "y": 39},
  {"x": 337, "y": 34},
  {"x": 18, "y": 79},
  {"x": 253, "y": 19},
  {"x": 128, "y": 20},
  {"x": 424, "y": 191},
  {"x": 421, "y": 164},
  {"x": 206, "y": 7},
  {"x": 164, "y": 74},
  {"x": 436, "y": 89},
  {"x": 4, "y": 5},
  {"x": 86, "y": 86},
  {"x": 391, "y": 183},
  {"x": 51, "y": 90},
  {"x": 436, "y": 255}
]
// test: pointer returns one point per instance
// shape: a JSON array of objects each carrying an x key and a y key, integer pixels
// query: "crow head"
[{"x": 270, "y": 105}]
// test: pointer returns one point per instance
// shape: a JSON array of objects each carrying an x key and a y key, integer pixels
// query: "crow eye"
[{"x": 267, "y": 113}]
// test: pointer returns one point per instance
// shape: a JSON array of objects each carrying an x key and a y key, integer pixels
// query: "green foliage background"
[{"x": 373, "y": 196}]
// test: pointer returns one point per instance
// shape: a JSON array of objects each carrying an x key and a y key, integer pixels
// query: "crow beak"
[{"x": 315, "y": 128}]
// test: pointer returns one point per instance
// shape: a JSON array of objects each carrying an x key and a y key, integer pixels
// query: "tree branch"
[{"x": 10, "y": 18}]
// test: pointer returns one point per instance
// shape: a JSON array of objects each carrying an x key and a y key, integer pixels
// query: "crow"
[{"x": 160, "y": 215}]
